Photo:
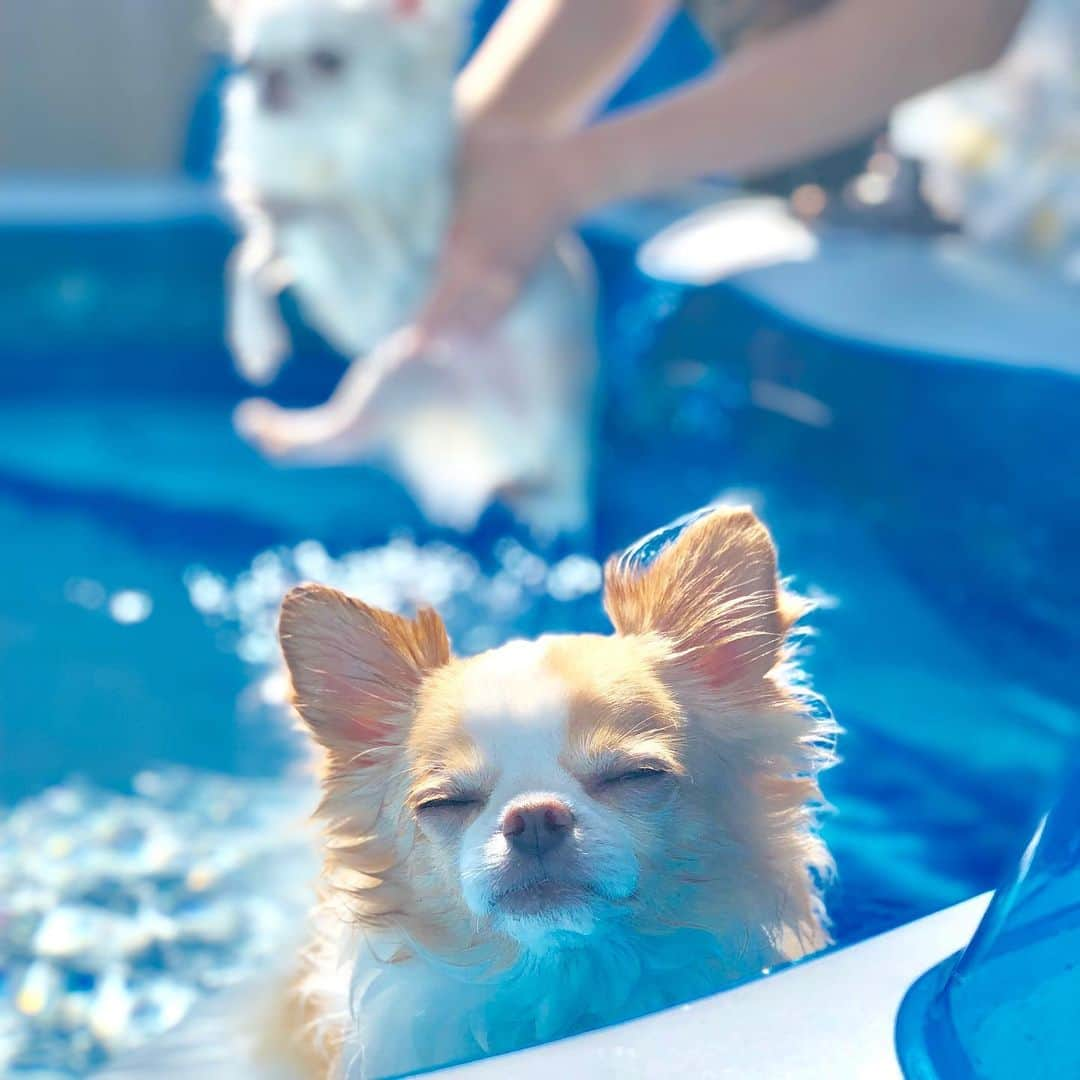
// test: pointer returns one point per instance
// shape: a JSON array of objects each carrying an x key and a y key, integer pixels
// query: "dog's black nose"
[
  {"x": 275, "y": 92},
  {"x": 536, "y": 827}
]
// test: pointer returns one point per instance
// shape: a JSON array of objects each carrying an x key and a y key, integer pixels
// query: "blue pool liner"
[{"x": 1007, "y": 1005}]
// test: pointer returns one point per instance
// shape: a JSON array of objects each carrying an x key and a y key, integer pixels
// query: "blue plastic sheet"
[{"x": 1008, "y": 1005}]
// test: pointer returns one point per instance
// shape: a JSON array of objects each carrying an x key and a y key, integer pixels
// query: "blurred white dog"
[{"x": 338, "y": 158}]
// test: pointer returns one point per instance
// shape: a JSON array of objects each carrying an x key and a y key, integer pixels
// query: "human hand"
[{"x": 516, "y": 192}]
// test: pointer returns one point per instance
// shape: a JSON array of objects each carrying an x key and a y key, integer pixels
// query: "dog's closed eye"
[
  {"x": 449, "y": 803},
  {"x": 635, "y": 775},
  {"x": 629, "y": 775}
]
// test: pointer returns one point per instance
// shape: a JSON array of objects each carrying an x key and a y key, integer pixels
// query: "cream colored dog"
[{"x": 547, "y": 837}]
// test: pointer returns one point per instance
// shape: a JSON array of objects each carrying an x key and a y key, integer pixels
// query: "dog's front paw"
[
  {"x": 258, "y": 338},
  {"x": 264, "y": 425}
]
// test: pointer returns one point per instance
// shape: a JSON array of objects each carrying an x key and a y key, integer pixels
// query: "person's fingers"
[{"x": 438, "y": 316}]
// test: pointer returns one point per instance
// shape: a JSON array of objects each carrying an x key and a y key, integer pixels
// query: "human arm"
[{"x": 801, "y": 90}]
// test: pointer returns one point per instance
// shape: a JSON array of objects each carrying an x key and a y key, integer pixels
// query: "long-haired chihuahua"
[{"x": 550, "y": 836}]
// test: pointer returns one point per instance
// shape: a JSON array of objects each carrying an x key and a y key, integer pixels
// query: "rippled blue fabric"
[{"x": 1008, "y": 1005}]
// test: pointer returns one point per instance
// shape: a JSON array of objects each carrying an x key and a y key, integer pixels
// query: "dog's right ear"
[
  {"x": 713, "y": 594},
  {"x": 356, "y": 669}
]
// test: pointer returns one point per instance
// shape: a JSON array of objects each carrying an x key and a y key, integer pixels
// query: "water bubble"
[
  {"x": 130, "y": 606},
  {"x": 110, "y": 1008},
  {"x": 207, "y": 592},
  {"x": 39, "y": 990},
  {"x": 574, "y": 577},
  {"x": 311, "y": 560},
  {"x": 85, "y": 592}
]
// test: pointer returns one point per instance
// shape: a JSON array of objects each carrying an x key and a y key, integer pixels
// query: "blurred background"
[
  {"x": 877, "y": 348},
  {"x": 105, "y": 87}
]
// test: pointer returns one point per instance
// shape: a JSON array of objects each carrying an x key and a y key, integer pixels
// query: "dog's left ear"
[
  {"x": 713, "y": 594},
  {"x": 356, "y": 669}
]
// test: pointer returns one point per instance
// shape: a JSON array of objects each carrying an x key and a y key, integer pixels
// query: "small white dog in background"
[{"x": 338, "y": 157}]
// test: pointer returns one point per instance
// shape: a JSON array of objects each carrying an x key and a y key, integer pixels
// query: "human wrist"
[
  {"x": 580, "y": 172},
  {"x": 610, "y": 161}
]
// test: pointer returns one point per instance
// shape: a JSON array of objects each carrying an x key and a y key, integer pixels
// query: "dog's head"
[
  {"x": 306, "y": 56},
  {"x": 343, "y": 80},
  {"x": 663, "y": 776}
]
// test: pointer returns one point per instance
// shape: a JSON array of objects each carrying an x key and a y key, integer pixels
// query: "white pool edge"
[{"x": 833, "y": 1017}]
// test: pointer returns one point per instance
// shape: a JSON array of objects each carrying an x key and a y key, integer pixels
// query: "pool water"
[{"x": 145, "y": 550}]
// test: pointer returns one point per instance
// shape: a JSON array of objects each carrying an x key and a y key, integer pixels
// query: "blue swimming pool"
[{"x": 922, "y": 499}]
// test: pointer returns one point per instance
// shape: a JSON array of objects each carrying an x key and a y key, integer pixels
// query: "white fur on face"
[
  {"x": 385, "y": 106},
  {"x": 515, "y": 711}
]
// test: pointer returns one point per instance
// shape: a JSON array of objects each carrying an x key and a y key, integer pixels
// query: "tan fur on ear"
[
  {"x": 713, "y": 594},
  {"x": 356, "y": 669}
]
